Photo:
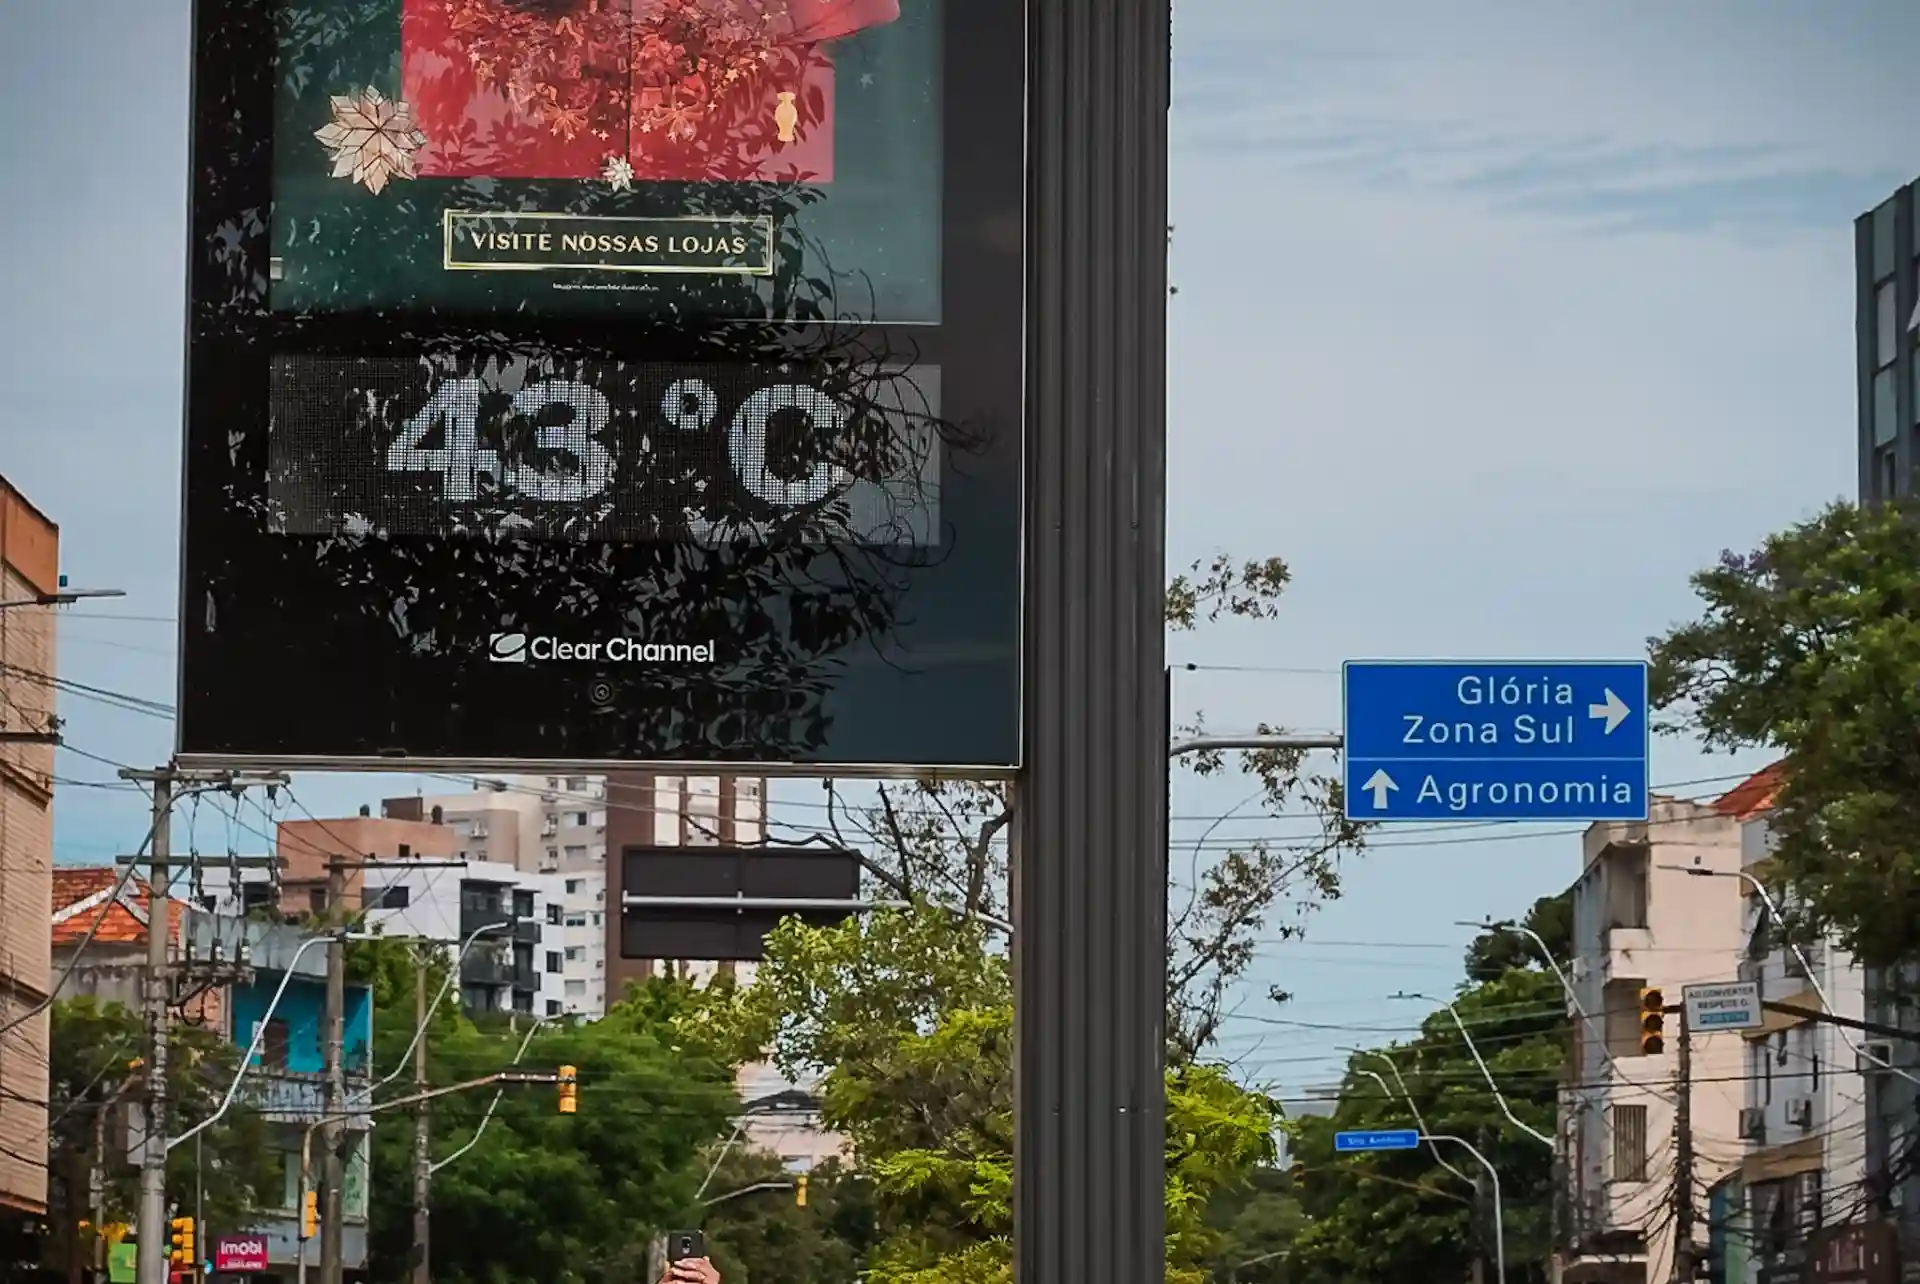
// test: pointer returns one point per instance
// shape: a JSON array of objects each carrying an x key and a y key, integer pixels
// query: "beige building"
[
  {"x": 1658, "y": 905},
  {"x": 29, "y": 576}
]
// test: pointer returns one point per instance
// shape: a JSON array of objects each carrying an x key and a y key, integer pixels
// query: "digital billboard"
[{"x": 603, "y": 382}]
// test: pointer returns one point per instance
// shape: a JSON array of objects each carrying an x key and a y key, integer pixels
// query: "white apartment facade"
[
  {"x": 508, "y": 923},
  {"x": 555, "y": 825},
  {"x": 1804, "y": 1122},
  {"x": 1641, "y": 921}
]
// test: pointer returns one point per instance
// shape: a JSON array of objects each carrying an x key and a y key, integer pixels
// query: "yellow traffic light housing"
[
  {"x": 569, "y": 1090},
  {"x": 181, "y": 1239},
  {"x": 800, "y": 1190},
  {"x": 1653, "y": 1022},
  {"x": 310, "y": 1215}
]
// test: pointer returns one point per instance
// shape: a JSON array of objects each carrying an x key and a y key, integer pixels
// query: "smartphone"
[{"x": 685, "y": 1245}]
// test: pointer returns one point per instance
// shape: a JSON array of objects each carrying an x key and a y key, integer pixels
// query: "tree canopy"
[
  {"x": 1810, "y": 646},
  {"x": 96, "y": 1071},
  {"x": 570, "y": 1199}
]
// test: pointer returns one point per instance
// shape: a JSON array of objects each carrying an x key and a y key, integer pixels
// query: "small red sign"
[{"x": 239, "y": 1254}]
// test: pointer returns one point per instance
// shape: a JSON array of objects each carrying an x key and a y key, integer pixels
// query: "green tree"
[
  {"x": 764, "y": 1236},
  {"x": 1810, "y": 647},
  {"x": 96, "y": 1069},
  {"x": 1496, "y": 952},
  {"x": 906, "y": 1019},
  {"x": 541, "y": 1196},
  {"x": 1401, "y": 1214}
]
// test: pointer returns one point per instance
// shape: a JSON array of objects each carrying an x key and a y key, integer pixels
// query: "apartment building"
[
  {"x": 546, "y": 825},
  {"x": 29, "y": 579},
  {"x": 1657, "y": 905},
  {"x": 1805, "y": 1116},
  {"x": 506, "y": 925}
]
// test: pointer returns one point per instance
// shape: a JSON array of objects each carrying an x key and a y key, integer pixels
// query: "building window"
[
  {"x": 522, "y": 1001},
  {"x": 273, "y": 1045},
  {"x": 1885, "y": 421},
  {"x": 523, "y": 904},
  {"x": 573, "y": 886},
  {"x": 599, "y": 919},
  {"x": 406, "y": 851},
  {"x": 392, "y": 896},
  {"x": 1886, "y": 326},
  {"x": 1886, "y": 475},
  {"x": 576, "y": 853},
  {"x": 553, "y": 960},
  {"x": 575, "y": 953},
  {"x": 575, "y": 988},
  {"x": 577, "y": 818},
  {"x": 553, "y": 1007},
  {"x": 1626, "y": 885},
  {"x": 1883, "y": 224},
  {"x": 576, "y": 920},
  {"x": 1629, "y": 1142},
  {"x": 317, "y": 900},
  {"x": 553, "y": 914}
]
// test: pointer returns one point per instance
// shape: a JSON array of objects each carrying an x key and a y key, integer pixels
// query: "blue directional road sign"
[
  {"x": 1377, "y": 1139},
  {"x": 1561, "y": 740}
]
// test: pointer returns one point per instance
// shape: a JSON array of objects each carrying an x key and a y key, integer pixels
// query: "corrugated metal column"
[{"x": 1090, "y": 852}]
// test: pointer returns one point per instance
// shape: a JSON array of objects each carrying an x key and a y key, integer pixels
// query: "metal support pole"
[
  {"x": 1683, "y": 1159},
  {"x": 422, "y": 1143},
  {"x": 151, "y": 1252},
  {"x": 1499, "y": 1217},
  {"x": 333, "y": 1136},
  {"x": 1089, "y": 829}
]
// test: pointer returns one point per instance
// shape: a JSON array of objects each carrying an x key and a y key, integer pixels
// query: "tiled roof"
[
  {"x": 79, "y": 892},
  {"x": 1753, "y": 795}
]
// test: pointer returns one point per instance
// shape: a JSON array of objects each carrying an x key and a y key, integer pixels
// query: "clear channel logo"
[{"x": 520, "y": 648}]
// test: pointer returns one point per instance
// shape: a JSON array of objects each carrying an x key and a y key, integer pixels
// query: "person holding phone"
[{"x": 691, "y": 1270}]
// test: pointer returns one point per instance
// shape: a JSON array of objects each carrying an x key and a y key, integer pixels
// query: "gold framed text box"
[{"x": 535, "y": 241}]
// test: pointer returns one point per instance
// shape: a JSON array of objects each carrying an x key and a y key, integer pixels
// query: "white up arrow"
[
  {"x": 1613, "y": 709},
  {"x": 1379, "y": 784}
]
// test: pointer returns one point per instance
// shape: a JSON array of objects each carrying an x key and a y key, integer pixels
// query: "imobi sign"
[{"x": 240, "y": 1254}]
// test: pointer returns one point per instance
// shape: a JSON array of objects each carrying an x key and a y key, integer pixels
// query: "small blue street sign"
[
  {"x": 1558, "y": 740},
  {"x": 1377, "y": 1139}
]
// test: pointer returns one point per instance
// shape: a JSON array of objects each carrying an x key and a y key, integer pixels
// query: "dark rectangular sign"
[
  {"x": 717, "y": 873},
  {"x": 605, "y": 382}
]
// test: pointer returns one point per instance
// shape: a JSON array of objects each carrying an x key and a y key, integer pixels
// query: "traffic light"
[
  {"x": 569, "y": 1090},
  {"x": 181, "y": 1239},
  {"x": 1653, "y": 1022},
  {"x": 800, "y": 1190},
  {"x": 310, "y": 1215}
]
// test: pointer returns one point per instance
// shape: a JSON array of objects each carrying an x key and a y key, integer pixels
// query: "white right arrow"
[
  {"x": 1614, "y": 710},
  {"x": 1379, "y": 784}
]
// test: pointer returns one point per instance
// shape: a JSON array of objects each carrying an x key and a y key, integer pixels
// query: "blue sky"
[{"x": 1495, "y": 320}]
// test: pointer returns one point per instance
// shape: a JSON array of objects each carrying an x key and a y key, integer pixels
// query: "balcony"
[
  {"x": 483, "y": 967},
  {"x": 496, "y": 921},
  {"x": 527, "y": 930}
]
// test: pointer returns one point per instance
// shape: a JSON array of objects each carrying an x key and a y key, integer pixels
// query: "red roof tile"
[
  {"x": 1753, "y": 795},
  {"x": 87, "y": 887}
]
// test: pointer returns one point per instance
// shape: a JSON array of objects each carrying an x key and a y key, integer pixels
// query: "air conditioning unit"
[
  {"x": 1800, "y": 1112},
  {"x": 1753, "y": 1124},
  {"x": 479, "y": 831}
]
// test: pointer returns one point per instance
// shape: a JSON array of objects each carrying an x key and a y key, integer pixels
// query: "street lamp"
[
  {"x": 1773, "y": 913},
  {"x": 62, "y": 596}
]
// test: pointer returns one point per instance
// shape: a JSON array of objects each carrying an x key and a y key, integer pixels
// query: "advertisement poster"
[{"x": 711, "y": 159}]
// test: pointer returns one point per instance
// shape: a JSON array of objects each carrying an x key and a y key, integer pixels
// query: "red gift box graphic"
[{"x": 681, "y": 90}]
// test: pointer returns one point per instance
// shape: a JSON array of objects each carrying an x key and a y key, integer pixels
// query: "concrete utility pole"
[
  {"x": 332, "y": 1137},
  {"x": 1683, "y": 1259},
  {"x": 151, "y": 1255},
  {"x": 422, "y": 1140}
]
